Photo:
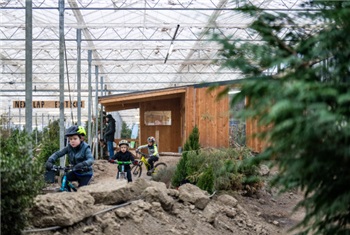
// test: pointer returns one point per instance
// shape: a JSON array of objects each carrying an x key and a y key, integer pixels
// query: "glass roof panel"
[{"x": 129, "y": 40}]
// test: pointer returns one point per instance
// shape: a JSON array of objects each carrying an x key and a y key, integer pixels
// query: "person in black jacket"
[
  {"x": 109, "y": 134},
  {"x": 124, "y": 155}
]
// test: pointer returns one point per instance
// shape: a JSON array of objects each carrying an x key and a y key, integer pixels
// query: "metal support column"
[
  {"x": 79, "y": 75},
  {"x": 101, "y": 119},
  {"x": 90, "y": 96},
  {"x": 29, "y": 69},
  {"x": 96, "y": 111},
  {"x": 61, "y": 77},
  {"x": 42, "y": 122},
  {"x": 20, "y": 118}
]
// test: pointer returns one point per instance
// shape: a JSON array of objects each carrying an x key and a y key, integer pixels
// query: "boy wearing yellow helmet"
[{"x": 79, "y": 155}]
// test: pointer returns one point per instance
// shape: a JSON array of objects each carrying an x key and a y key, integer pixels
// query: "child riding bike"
[
  {"x": 123, "y": 155},
  {"x": 152, "y": 151},
  {"x": 79, "y": 156}
]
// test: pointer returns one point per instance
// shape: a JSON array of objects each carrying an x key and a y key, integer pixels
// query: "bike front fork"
[
  {"x": 67, "y": 186},
  {"x": 121, "y": 174}
]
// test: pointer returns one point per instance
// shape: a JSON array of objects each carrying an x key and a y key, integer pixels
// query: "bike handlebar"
[
  {"x": 142, "y": 154},
  {"x": 120, "y": 162},
  {"x": 65, "y": 168},
  {"x": 124, "y": 163}
]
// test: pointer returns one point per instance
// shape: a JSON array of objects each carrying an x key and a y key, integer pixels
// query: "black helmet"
[
  {"x": 151, "y": 139},
  {"x": 73, "y": 130}
]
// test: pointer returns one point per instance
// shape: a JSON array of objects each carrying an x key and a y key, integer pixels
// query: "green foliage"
[
  {"x": 50, "y": 142},
  {"x": 180, "y": 172},
  {"x": 232, "y": 168},
  {"x": 14, "y": 142},
  {"x": 228, "y": 177},
  {"x": 212, "y": 169},
  {"x": 36, "y": 136},
  {"x": 126, "y": 131},
  {"x": 47, "y": 150},
  {"x": 206, "y": 180},
  {"x": 21, "y": 180},
  {"x": 3, "y": 120},
  {"x": 192, "y": 143},
  {"x": 192, "y": 165},
  {"x": 298, "y": 84},
  {"x": 52, "y": 130},
  {"x": 164, "y": 175},
  {"x": 247, "y": 168}
]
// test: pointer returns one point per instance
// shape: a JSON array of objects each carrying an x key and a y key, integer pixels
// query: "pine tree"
[
  {"x": 192, "y": 144},
  {"x": 21, "y": 181},
  {"x": 298, "y": 83},
  {"x": 126, "y": 131},
  {"x": 206, "y": 180}
]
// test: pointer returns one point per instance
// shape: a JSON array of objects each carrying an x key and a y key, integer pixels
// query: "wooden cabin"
[{"x": 170, "y": 115}]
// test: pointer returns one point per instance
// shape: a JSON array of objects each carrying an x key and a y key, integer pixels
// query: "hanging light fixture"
[{"x": 171, "y": 44}]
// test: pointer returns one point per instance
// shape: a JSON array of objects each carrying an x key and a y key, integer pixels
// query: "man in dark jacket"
[{"x": 109, "y": 134}]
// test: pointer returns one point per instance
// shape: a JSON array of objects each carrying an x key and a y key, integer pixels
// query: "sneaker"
[{"x": 149, "y": 172}]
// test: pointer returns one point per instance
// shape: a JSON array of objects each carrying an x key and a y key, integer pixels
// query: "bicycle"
[
  {"x": 121, "y": 173},
  {"x": 136, "y": 169},
  {"x": 66, "y": 186}
]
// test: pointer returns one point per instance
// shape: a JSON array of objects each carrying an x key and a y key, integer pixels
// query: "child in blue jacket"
[{"x": 79, "y": 156}]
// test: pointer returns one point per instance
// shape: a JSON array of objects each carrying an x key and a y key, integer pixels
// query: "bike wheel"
[
  {"x": 161, "y": 166},
  {"x": 122, "y": 176},
  {"x": 136, "y": 170},
  {"x": 71, "y": 187}
]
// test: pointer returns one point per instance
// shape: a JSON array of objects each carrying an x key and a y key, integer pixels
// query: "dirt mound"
[{"x": 108, "y": 206}]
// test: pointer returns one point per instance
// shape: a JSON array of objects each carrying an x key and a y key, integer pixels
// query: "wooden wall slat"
[
  {"x": 212, "y": 137},
  {"x": 210, "y": 116},
  {"x": 201, "y": 107},
  {"x": 190, "y": 110},
  {"x": 223, "y": 121},
  {"x": 252, "y": 142}
]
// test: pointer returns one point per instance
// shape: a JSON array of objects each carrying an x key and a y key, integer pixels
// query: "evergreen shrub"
[
  {"x": 215, "y": 169},
  {"x": 21, "y": 180},
  {"x": 192, "y": 143}
]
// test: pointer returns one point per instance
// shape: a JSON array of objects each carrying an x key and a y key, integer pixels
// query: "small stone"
[{"x": 275, "y": 222}]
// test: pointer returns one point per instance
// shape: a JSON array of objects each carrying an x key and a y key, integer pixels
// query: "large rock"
[
  {"x": 100, "y": 168},
  {"x": 138, "y": 185},
  {"x": 211, "y": 211},
  {"x": 227, "y": 200},
  {"x": 192, "y": 194},
  {"x": 109, "y": 193},
  {"x": 264, "y": 170},
  {"x": 61, "y": 209},
  {"x": 156, "y": 194},
  {"x": 118, "y": 191}
]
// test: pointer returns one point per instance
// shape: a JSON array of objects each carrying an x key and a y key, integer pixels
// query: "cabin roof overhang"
[{"x": 132, "y": 100}]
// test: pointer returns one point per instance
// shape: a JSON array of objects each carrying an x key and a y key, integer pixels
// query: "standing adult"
[{"x": 109, "y": 134}]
